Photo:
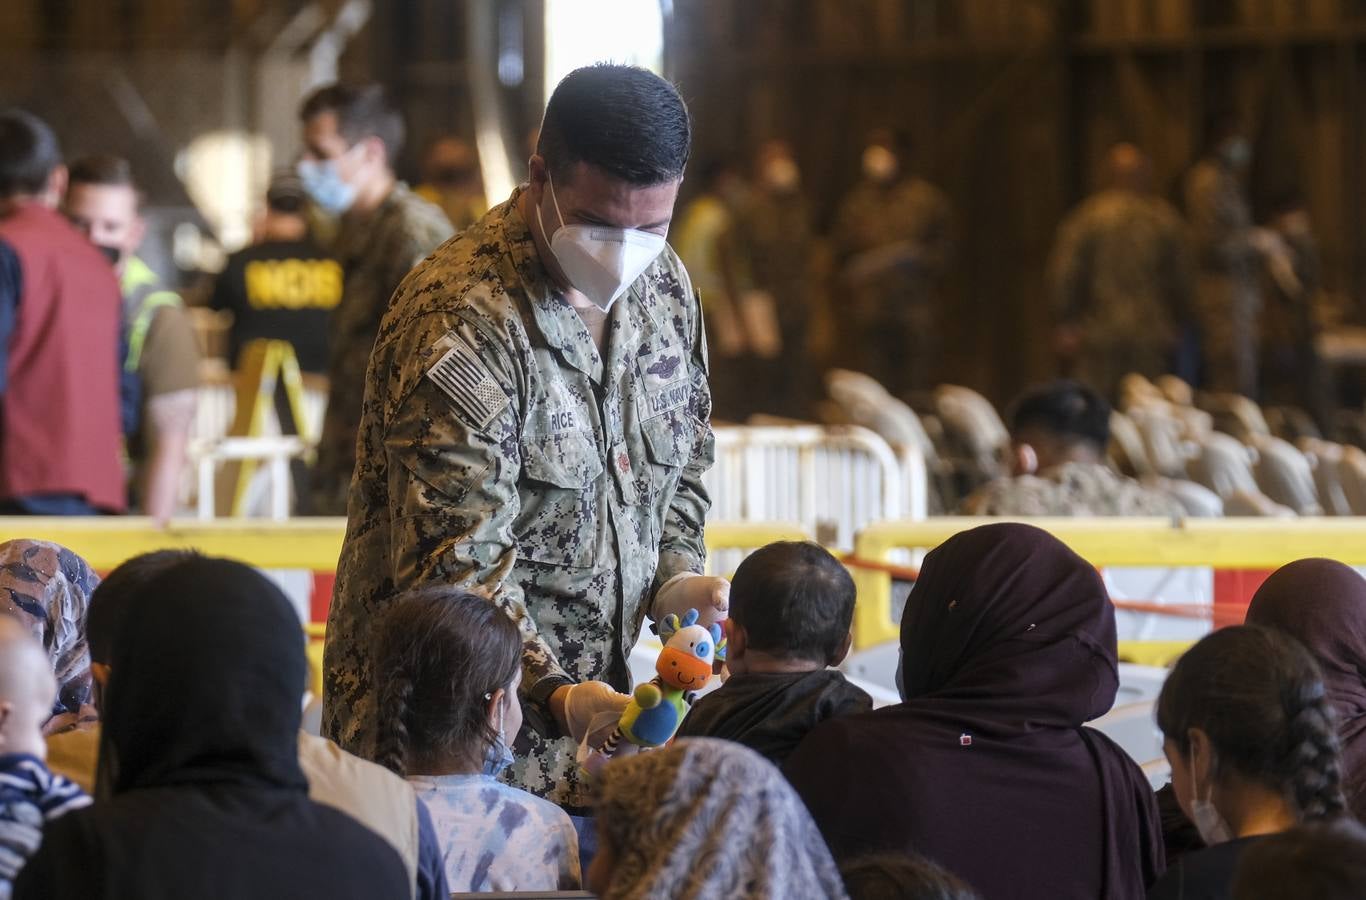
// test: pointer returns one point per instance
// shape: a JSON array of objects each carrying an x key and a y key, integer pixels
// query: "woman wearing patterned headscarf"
[
  {"x": 48, "y": 587},
  {"x": 706, "y": 819}
]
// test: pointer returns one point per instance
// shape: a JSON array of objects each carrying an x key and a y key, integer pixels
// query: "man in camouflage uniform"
[
  {"x": 1120, "y": 277},
  {"x": 892, "y": 240},
  {"x": 352, "y": 137},
  {"x": 1059, "y": 434},
  {"x": 536, "y": 427},
  {"x": 1227, "y": 292},
  {"x": 773, "y": 241}
]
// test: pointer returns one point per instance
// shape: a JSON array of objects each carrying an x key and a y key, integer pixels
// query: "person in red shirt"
[{"x": 60, "y": 427}]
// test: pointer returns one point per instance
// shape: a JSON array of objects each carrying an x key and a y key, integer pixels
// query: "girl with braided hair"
[
  {"x": 1253, "y": 747},
  {"x": 448, "y": 664}
]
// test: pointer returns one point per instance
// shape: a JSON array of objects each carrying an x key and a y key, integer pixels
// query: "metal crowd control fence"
[{"x": 831, "y": 481}]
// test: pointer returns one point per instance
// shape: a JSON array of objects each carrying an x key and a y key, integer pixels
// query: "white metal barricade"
[{"x": 832, "y": 481}]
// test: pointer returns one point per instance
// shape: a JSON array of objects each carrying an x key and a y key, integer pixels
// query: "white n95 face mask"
[{"x": 600, "y": 262}]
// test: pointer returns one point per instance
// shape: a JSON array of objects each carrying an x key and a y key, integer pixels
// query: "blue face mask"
[
  {"x": 498, "y": 755},
  {"x": 323, "y": 183}
]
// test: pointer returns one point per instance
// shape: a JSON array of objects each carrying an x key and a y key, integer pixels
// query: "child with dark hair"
[
  {"x": 1326, "y": 861},
  {"x": 448, "y": 664},
  {"x": 791, "y": 604},
  {"x": 901, "y": 876},
  {"x": 1253, "y": 747}
]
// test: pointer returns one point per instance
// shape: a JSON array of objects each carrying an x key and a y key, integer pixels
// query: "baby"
[{"x": 30, "y": 795}]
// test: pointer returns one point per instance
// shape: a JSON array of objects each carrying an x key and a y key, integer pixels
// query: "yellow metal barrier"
[
  {"x": 1217, "y": 543},
  {"x": 312, "y": 544}
]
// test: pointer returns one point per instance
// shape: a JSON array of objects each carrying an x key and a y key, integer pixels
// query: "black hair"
[
  {"x": 111, "y": 600},
  {"x": 28, "y": 153},
  {"x": 440, "y": 653},
  {"x": 101, "y": 168},
  {"x": 1259, "y": 696},
  {"x": 1067, "y": 410},
  {"x": 625, "y": 120},
  {"x": 901, "y": 876},
  {"x": 794, "y": 600},
  {"x": 362, "y": 111},
  {"x": 1326, "y": 861}
]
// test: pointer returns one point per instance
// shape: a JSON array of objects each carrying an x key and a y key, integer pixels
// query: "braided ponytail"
[
  {"x": 1258, "y": 695},
  {"x": 1313, "y": 753},
  {"x": 391, "y": 746},
  {"x": 440, "y": 653}
]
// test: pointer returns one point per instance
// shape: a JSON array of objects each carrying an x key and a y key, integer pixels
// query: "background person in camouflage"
[
  {"x": 1121, "y": 277},
  {"x": 352, "y": 135},
  {"x": 892, "y": 239},
  {"x": 1229, "y": 253},
  {"x": 774, "y": 243},
  {"x": 536, "y": 426},
  {"x": 1059, "y": 434}
]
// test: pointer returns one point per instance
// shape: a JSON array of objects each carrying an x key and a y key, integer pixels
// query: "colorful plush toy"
[{"x": 684, "y": 667}]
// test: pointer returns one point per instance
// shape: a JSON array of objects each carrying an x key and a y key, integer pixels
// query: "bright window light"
[{"x": 582, "y": 32}]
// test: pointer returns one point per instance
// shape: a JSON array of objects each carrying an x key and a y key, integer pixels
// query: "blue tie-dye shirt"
[{"x": 497, "y": 838}]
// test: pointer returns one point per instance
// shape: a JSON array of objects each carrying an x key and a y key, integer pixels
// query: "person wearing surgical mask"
[
  {"x": 448, "y": 664},
  {"x": 536, "y": 427},
  {"x": 892, "y": 242},
  {"x": 1252, "y": 742},
  {"x": 1229, "y": 251},
  {"x": 351, "y": 138}
]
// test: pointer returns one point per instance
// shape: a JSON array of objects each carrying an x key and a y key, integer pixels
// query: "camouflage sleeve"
[
  {"x": 1066, "y": 277},
  {"x": 454, "y": 448},
  {"x": 1178, "y": 276},
  {"x": 682, "y": 547},
  {"x": 1219, "y": 218},
  {"x": 937, "y": 236}
]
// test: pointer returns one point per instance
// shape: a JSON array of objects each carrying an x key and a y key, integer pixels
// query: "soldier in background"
[
  {"x": 774, "y": 241},
  {"x": 892, "y": 240},
  {"x": 1059, "y": 435},
  {"x": 450, "y": 179},
  {"x": 1120, "y": 277},
  {"x": 1293, "y": 371},
  {"x": 1228, "y": 253},
  {"x": 705, "y": 240},
  {"x": 352, "y": 136}
]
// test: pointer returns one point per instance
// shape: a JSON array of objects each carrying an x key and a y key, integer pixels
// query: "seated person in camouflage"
[{"x": 1059, "y": 433}]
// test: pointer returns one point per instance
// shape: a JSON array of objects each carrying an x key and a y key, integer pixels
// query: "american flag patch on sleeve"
[{"x": 462, "y": 377}]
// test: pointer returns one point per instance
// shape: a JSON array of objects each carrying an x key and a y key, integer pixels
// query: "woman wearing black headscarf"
[
  {"x": 1008, "y": 647},
  {"x": 1322, "y": 604},
  {"x": 201, "y": 756}
]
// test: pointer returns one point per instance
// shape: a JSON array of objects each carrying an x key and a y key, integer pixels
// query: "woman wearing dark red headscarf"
[
  {"x": 1008, "y": 647},
  {"x": 1322, "y": 604}
]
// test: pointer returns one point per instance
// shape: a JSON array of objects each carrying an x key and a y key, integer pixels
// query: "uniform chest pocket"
[
  {"x": 560, "y": 522},
  {"x": 669, "y": 438}
]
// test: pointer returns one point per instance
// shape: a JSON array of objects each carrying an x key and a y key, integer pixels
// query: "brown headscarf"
[
  {"x": 1008, "y": 647},
  {"x": 1322, "y": 603},
  {"x": 708, "y": 818},
  {"x": 49, "y": 587}
]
